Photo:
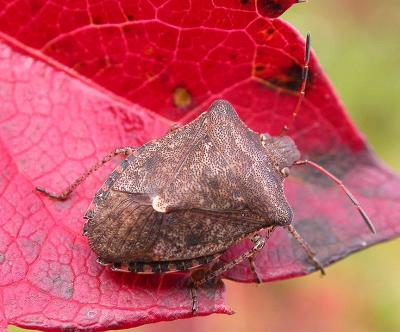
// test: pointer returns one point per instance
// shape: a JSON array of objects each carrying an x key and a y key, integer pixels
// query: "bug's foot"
[
  {"x": 319, "y": 266},
  {"x": 61, "y": 197},
  {"x": 193, "y": 296},
  {"x": 258, "y": 279},
  {"x": 313, "y": 257},
  {"x": 253, "y": 269}
]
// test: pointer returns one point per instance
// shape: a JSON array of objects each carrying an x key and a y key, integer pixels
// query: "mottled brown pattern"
[{"x": 193, "y": 193}]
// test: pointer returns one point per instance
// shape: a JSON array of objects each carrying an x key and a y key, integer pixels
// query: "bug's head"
[{"x": 282, "y": 150}]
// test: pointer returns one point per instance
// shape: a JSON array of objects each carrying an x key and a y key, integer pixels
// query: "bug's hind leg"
[
  {"x": 310, "y": 253},
  {"x": 67, "y": 191}
]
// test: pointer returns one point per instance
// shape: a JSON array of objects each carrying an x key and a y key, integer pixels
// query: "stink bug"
[{"x": 181, "y": 201}]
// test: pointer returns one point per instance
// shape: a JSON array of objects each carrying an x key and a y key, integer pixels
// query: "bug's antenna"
[
  {"x": 304, "y": 77},
  {"x": 343, "y": 187}
]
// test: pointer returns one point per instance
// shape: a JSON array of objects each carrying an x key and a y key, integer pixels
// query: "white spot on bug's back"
[{"x": 158, "y": 204}]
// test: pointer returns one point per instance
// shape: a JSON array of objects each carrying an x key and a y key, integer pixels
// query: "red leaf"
[
  {"x": 52, "y": 127},
  {"x": 172, "y": 59}
]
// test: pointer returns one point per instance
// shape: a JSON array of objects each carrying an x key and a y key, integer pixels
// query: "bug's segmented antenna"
[
  {"x": 304, "y": 77},
  {"x": 343, "y": 187}
]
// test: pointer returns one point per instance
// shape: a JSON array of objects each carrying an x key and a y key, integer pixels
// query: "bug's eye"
[{"x": 285, "y": 171}]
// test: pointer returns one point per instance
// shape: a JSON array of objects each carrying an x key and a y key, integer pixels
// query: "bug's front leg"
[{"x": 126, "y": 151}]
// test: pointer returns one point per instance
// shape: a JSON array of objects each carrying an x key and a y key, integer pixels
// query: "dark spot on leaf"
[
  {"x": 103, "y": 62},
  {"x": 290, "y": 78},
  {"x": 244, "y": 2},
  {"x": 130, "y": 17},
  {"x": 182, "y": 97},
  {"x": 160, "y": 58},
  {"x": 97, "y": 20},
  {"x": 164, "y": 78},
  {"x": 36, "y": 6},
  {"x": 273, "y": 8},
  {"x": 270, "y": 5},
  {"x": 233, "y": 56},
  {"x": 129, "y": 30},
  {"x": 259, "y": 68}
]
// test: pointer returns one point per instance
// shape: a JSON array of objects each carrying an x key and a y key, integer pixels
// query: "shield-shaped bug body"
[
  {"x": 190, "y": 195},
  {"x": 180, "y": 201}
]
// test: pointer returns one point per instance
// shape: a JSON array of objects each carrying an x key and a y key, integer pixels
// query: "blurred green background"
[{"x": 358, "y": 45}]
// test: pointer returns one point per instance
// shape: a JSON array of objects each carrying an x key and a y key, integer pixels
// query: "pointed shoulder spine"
[{"x": 221, "y": 107}]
